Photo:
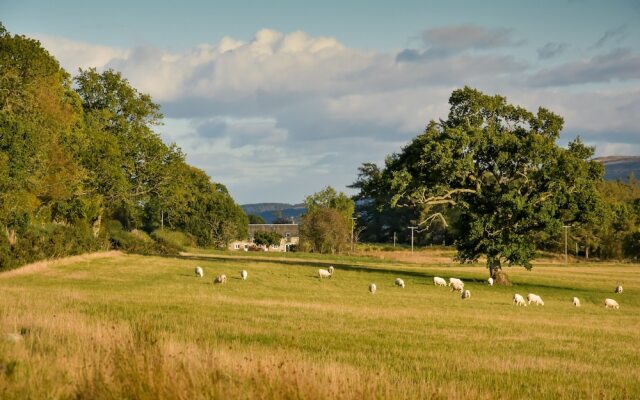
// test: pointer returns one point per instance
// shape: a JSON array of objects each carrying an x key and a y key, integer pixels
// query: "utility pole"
[
  {"x": 566, "y": 256},
  {"x": 413, "y": 228},
  {"x": 353, "y": 223},
  {"x": 162, "y": 219},
  {"x": 394, "y": 240}
]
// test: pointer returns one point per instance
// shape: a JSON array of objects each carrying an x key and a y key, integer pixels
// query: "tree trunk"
[
  {"x": 494, "y": 266},
  {"x": 586, "y": 250}
]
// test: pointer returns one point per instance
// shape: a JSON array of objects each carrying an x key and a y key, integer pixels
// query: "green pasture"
[{"x": 133, "y": 326}]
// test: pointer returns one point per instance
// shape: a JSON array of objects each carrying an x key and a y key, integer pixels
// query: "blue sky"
[{"x": 279, "y": 99}]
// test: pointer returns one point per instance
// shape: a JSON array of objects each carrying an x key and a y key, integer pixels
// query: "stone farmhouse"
[{"x": 290, "y": 237}]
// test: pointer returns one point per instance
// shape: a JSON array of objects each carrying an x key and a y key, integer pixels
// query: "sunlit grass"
[{"x": 146, "y": 327}]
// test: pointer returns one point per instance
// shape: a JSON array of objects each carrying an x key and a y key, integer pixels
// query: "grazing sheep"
[
  {"x": 459, "y": 286},
  {"x": 490, "y": 280},
  {"x": 323, "y": 273},
  {"x": 244, "y": 274},
  {"x": 466, "y": 294},
  {"x": 199, "y": 272},
  {"x": 535, "y": 298},
  {"x": 400, "y": 282},
  {"x": 221, "y": 279},
  {"x": 372, "y": 288},
  {"x": 519, "y": 300},
  {"x": 331, "y": 269},
  {"x": 611, "y": 303},
  {"x": 576, "y": 302},
  {"x": 456, "y": 280},
  {"x": 439, "y": 281},
  {"x": 619, "y": 289}
]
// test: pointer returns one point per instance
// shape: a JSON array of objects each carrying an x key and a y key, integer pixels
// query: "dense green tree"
[
  {"x": 267, "y": 238},
  {"x": 256, "y": 219},
  {"x": 500, "y": 166},
  {"x": 326, "y": 225}
]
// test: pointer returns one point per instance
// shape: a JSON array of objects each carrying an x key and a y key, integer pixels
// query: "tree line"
[{"x": 81, "y": 166}]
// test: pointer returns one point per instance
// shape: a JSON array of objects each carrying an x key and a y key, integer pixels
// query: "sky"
[{"x": 280, "y": 99}]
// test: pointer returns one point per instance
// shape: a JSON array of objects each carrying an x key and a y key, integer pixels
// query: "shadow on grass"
[{"x": 359, "y": 268}]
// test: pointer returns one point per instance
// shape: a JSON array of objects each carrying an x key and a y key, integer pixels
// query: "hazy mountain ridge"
[
  {"x": 269, "y": 211},
  {"x": 620, "y": 167}
]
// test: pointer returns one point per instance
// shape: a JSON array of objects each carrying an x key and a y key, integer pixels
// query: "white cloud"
[
  {"x": 282, "y": 115},
  {"x": 74, "y": 54}
]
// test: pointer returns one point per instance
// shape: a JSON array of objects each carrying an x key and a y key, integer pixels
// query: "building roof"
[{"x": 282, "y": 229}]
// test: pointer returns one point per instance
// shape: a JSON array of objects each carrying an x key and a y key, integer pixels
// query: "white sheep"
[
  {"x": 535, "y": 298},
  {"x": 455, "y": 280},
  {"x": 439, "y": 281},
  {"x": 400, "y": 282},
  {"x": 199, "y": 272},
  {"x": 372, "y": 288},
  {"x": 323, "y": 273},
  {"x": 490, "y": 280},
  {"x": 466, "y": 294},
  {"x": 221, "y": 279},
  {"x": 619, "y": 289},
  {"x": 519, "y": 300},
  {"x": 611, "y": 303},
  {"x": 576, "y": 302},
  {"x": 459, "y": 286},
  {"x": 244, "y": 274}
]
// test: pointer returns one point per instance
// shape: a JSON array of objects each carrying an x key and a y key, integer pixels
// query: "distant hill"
[
  {"x": 619, "y": 167},
  {"x": 269, "y": 211}
]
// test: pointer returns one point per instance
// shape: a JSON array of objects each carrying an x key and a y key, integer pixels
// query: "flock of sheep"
[{"x": 455, "y": 284}]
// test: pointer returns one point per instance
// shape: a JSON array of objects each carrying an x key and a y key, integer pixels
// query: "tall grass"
[{"x": 145, "y": 327}]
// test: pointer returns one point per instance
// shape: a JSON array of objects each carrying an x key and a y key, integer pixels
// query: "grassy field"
[{"x": 125, "y": 326}]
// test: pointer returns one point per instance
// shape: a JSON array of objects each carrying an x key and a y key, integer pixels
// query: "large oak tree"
[{"x": 500, "y": 167}]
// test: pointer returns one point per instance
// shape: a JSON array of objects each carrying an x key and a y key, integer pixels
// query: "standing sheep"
[
  {"x": 399, "y": 282},
  {"x": 458, "y": 286},
  {"x": 490, "y": 281},
  {"x": 455, "y": 280},
  {"x": 576, "y": 302},
  {"x": 439, "y": 281},
  {"x": 535, "y": 298},
  {"x": 199, "y": 272},
  {"x": 619, "y": 289},
  {"x": 244, "y": 274},
  {"x": 221, "y": 279},
  {"x": 466, "y": 294},
  {"x": 372, "y": 288},
  {"x": 519, "y": 300},
  {"x": 611, "y": 303}
]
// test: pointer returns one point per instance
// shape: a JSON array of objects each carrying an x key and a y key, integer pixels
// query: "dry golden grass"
[{"x": 146, "y": 328}]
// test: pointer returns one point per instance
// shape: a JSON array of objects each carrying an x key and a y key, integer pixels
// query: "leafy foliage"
[
  {"x": 71, "y": 159},
  {"x": 498, "y": 165},
  {"x": 326, "y": 226},
  {"x": 267, "y": 238}
]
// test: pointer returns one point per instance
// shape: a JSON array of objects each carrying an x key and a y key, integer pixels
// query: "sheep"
[
  {"x": 576, "y": 302},
  {"x": 331, "y": 269},
  {"x": 490, "y": 280},
  {"x": 372, "y": 288},
  {"x": 455, "y": 280},
  {"x": 619, "y": 289},
  {"x": 199, "y": 272},
  {"x": 323, "y": 273},
  {"x": 466, "y": 294},
  {"x": 611, "y": 303},
  {"x": 244, "y": 274},
  {"x": 221, "y": 279},
  {"x": 459, "y": 286},
  {"x": 535, "y": 298},
  {"x": 519, "y": 300},
  {"x": 439, "y": 281},
  {"x": 400, "y": 282}
]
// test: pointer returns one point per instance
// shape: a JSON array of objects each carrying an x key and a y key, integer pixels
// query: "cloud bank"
[{"x": 282, "y": 115}]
